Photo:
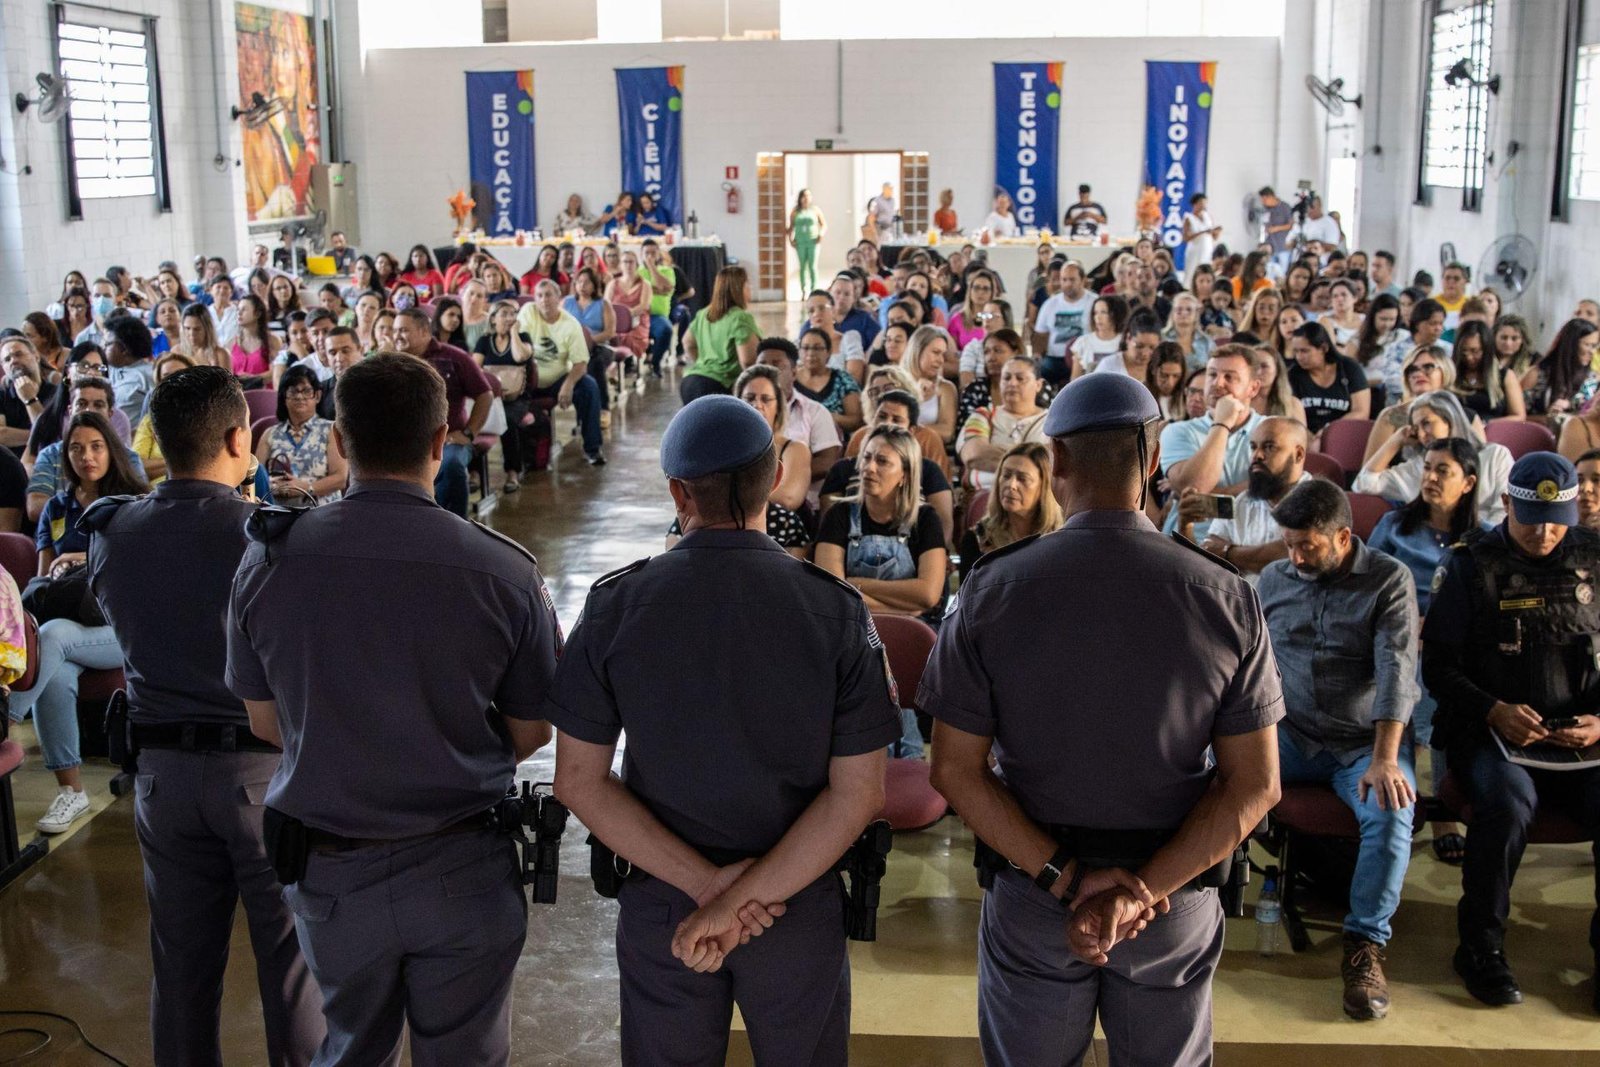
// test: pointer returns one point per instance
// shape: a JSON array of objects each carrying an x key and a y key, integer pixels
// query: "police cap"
[
  {"x": 1104, "y": 401},
  {"x": 711, "y": 435},
  {"x": 1544, "y": 488}
]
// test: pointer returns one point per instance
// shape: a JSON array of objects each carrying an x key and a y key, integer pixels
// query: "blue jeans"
[
  {"x": 450, "y": 484},
  {"x": 586, "y": 402},
  {"x": 66, "y": 648},
  {"x": 682, "y": 315},
  {"x": 660, "y": 337},
  {"x": 1385, "y": 835}
]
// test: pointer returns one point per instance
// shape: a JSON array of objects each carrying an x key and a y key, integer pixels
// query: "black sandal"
[{"x": 1451, "y": 849}]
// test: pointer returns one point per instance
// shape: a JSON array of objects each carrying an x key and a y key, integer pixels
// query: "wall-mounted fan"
[
  {"x": 1509, "y": 265},
  {"x": 52, "y": 101},
  {"x": 1331, "y": 94},
  {"x": 260, "y": 110}
]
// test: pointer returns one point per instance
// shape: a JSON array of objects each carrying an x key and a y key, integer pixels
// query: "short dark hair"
[
  {"x": 1387, "y": 257},
  {"x": 1423, "y": 310},
  {"x": 191, "y": 412},
  {"x": 718, "y": 496},
  {"x": 133, "y": 334},
  {"x": 1315, "y": 505},
  {"x": 903, "y": 398},
  {"x": 1083, "y": 188},
  {"x": 1109, "y": 459},
  {"x": 1265, "y": 190},
  {"x": 779, "y": 344},
  {"x": 316, "y": 315},
  {"x": 344, "y": 331},
  {"x": 295, "y": 375},
  {"x": 1593, "y": 453},
  {"x": 389, "y": 406}
]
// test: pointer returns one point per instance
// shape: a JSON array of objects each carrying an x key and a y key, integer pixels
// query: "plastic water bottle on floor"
[{"x": 1269, "y": 912}]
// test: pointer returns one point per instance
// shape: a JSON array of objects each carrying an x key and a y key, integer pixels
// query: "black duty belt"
[
  {"x": 327, "y": 841},
  {"x": 197, "y": 737}
]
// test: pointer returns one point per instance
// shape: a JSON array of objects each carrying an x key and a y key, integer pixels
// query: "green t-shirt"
[
  {"x": 660, "y": 303},
  {"x": 716, "y": 344}
]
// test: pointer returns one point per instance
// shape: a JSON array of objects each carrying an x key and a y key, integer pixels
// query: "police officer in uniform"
[
  {"x": 410, "y": 909},
  {"x": 1102, "y": 797},
  {"x": 1511, "y": 647},
  {"x": 757, "y": 704},
  {"x": 162, "y": 567}
]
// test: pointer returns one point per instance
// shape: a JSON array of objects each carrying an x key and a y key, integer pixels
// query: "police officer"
[
  {"x": 410, "y": 909},
  {"x": 162, "y": 567},
  {"x": 1511, "y": 647},
  {"x": 757, "y": 704},
  {"x": 1103, "y": 798}
]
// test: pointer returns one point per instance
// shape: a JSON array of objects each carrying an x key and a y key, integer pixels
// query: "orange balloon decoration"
[{"x": 461, "y": 206}]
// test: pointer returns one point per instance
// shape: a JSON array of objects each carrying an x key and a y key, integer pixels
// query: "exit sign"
[{"x": 824, "y": 144}]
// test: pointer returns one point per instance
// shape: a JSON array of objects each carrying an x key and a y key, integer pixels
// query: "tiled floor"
[{"x": 73, "y": 931}]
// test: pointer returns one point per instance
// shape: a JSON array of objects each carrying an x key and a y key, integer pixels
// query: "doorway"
[{"x": 841, "y": 183}]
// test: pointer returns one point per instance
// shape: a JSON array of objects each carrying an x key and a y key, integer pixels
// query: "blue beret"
[
  {"x": 1103, "y": 401},
  {"x": 711, "y": 435},
  {"x": 1543, "y": 487}
]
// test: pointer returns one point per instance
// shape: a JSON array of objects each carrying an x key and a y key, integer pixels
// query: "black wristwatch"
[{"x": 1052, "y": 869}]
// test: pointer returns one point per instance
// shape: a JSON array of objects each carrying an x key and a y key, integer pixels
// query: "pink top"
[
  {"x": 963, "y": 333},
  {"x": 248, "y": 362}
]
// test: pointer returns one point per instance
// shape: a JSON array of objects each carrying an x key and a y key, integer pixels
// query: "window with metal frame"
[
  {"x": 113, "y": 133},
  {"x": 1584, "y": 168},
  {"x": 1455, "y": 135}
]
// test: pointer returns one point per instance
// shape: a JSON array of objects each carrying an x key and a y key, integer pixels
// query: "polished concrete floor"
[{"x": 73, "y": 930}]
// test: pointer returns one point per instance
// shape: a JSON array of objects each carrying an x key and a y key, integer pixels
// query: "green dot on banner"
[
  {"x": 1053, "y": 100},
  {"x": 525, "y": 107},
  {"x": 675, "y": 103},
  {"x": 1204, "y": 100}
]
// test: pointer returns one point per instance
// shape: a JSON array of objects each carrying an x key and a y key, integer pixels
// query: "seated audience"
[
  {"x": 298, "y": 452},
  {"x": 1395, "y": 470},
  {"x": 1588, "y": 466},
  {"x": 545, "y": 267},
  {"x": 506, "y": 354},
  {"x": 423, "y": 275},
  {"x": 131, "y": 370},
  {"x": 1274, "y": 397},
  {"x": 759, "y": 387},
  {"x": 25, "y": 395},
  {"x": 833, "y": 388},
  {"x": 845, "y": 351},
  {"x": 966, "y": 324},
  {"x": 881, "y": 381},
  {"x": 253, "y": 346},
  {"x": 895, "y": 407},
  {"x": 464, "y": 380},
  {"x": 994, "y": 430},
  {"x": 1564, "y": 381},
  {"x": 617, "y": 217},
  {"x": 199, "y": 340},
  {"x": 97, "y": 465},
  {"x": 1140, "y": 339},
  {"x": 1424, "y": 371},
  {"x": 1020, "y": 505},
  {"x": 806, "y": 420},
  {"x": 1420, "y": 532},
  {"x": 573, "y": 218},
  {"x": 1331, "y": 386},
  {"x": 560, "y": 367},
  {"x": 627, "y": 289},
  {"x": 1211, "y": 453},
  {"x": 90, "y": 396},
  {"x": 1343, "y": 621},
  {"x": 722, "y": 340},
  {"x": 660, "y": 277},
  {"x": 1513, "y": 346},
  {"x": 925, "y": 358},
  {"x": 1186, "y": 331},
  {"x": 1488, "y": 390},
  {"x": 1250, "y": 538}
]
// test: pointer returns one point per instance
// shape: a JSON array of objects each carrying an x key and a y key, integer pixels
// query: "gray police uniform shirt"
[
  {"x": 391, "y": 633},
  {"x": 1103, "y": 658},
  {"x": 162, "y": 568},
  {"x": 737, "y": 671}
]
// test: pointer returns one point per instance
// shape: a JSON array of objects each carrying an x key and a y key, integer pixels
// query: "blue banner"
[
  {"x": 1027, "y": 125},
  {"x": 650, "y": 105},
  {"x": 1177, "y": 140},
  {"x": 500, "y": 145}
]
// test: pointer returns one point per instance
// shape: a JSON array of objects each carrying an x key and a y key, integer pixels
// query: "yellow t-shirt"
[{"x": 557, "y": 346}]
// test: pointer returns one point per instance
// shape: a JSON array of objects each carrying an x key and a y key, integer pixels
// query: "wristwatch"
[{"x": 1051, "y": 872}]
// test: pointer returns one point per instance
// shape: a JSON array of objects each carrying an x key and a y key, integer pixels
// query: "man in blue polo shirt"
[{"x": 1211, "y": 454}]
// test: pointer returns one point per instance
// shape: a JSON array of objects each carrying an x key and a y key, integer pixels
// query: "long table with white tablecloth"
[{"x": 1013, "y": 260}]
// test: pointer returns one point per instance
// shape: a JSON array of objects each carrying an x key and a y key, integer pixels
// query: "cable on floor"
[{"x": 62, "y": 1018}]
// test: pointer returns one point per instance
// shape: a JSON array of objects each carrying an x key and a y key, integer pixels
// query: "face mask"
[
  {"x": 102, "y": 306},
  {"x": 403, "y": 302}
]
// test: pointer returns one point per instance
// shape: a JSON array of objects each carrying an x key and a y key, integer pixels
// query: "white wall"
[
  {"x": 38, "y": 244},
  {"x": 744, "y": 97}
]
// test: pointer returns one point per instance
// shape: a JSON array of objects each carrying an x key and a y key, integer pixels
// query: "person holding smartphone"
[{"x": 1242, "y": 529}]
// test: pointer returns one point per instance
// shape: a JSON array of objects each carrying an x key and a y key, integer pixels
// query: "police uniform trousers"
[
  {"x": 198, "y": 817},
  {"x": 1505, "y": 797},
  {"x": 1037, "y": 1001},
  {"x": 792, "y": 984},
  {"x": 421, "y": 934}
]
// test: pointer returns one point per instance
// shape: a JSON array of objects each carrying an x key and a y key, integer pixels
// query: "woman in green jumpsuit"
[{"x": 806, "y": 227}]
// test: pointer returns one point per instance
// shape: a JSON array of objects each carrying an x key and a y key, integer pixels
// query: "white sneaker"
[{"x": 67, "y": 808}]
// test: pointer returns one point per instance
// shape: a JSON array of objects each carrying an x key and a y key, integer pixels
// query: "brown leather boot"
[{"x": 1366, "y": 991}]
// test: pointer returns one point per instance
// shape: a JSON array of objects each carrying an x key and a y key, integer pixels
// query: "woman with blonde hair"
[
  {"x": 721, "y": 341},
  {"x": 925, "y": 358},
  {"x": 1260, "y": 318},
  {"x": 198, "y": 333},
  {"x": 1426, "y": 369},
  {"x": 1020, "y": 505},
  {"x": 1274, "y": 397}
]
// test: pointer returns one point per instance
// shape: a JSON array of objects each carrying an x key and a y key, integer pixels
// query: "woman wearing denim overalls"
[{"x": 886, "y": 542}]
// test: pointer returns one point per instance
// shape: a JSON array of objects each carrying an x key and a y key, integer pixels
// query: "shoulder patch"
[
  {"x": 1210, "y": 557},
  {"x": 606, "y": 579},
  {"x": 995, "y": 553},
  {"x": 504, "y": 539},
  {"x": 817, "y": 572},
  {"x": 99, "y": 514}
]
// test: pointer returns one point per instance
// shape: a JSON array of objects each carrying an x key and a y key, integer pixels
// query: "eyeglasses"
[
  {"x": 300, "y": 393},
  {"x": 1424, "y": 368}
]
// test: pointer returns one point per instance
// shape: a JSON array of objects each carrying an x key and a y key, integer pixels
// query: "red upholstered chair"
[
  {"x": 1321, "y": 465},
  {"x": 1366, "y": 510},
  {"x": 910, "y": 801},
  {"x": 1519, "y": 437},
  {"x": 14, "y": 859},
  {"x": 19, "y": 556},
  {"x": 1346, "y": 441},
  {"x": 976, "y": 507},
  {"x": 260, "y": 427},
  {"x": 483, "y": 444},
  {"x": 263, "y": 403},
  {"x": 1303, "y": 811}
]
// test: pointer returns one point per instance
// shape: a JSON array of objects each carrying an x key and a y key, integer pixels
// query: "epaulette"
[
  {"x": 995, "y": 553},
  {"x": 269, "y": 522},
  {"x": 818, "y": 572},
  {"x": 98, "y": 515},
  {"x": 1210, "y": 557},
  {"x": 605, "y": 579},
  {"x": 504, "y": 539}
]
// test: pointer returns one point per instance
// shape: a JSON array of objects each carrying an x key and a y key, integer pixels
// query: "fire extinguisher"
[{"x": 732, "y": 191}]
